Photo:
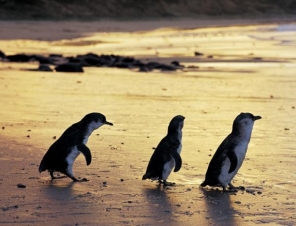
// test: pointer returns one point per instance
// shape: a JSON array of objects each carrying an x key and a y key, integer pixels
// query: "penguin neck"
[
  {"x": 243, "y": 133},
  {"x": 88, "y": 129},
  {"x": 176, "y": 133}
]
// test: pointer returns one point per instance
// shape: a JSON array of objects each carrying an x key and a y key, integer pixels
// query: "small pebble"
[
  {"x": 121, "y": 179},
  {"x": 21, "y": 185},
  {"x": 54, "y": 137},
  {"x": 104, "y": 183},
  {"x": 198, "y": 54}
]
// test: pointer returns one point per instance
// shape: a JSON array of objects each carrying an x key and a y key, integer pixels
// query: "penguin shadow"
[
  {"x": 59, "y": 190},
  {"x": 159, "y": 205},
  {"x": 219, "y": 207}
]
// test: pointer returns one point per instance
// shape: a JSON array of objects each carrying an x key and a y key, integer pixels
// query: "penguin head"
[
  {"x": 244, "y": 122},
  {"x": 95, "y": 120},
  {"x": 176, "y": 124}
]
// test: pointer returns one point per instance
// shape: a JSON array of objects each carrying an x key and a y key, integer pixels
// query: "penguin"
[
  {"x": 231, "y": 153},
  {"x": 167, "y": 154},
  {"x": 63, "y": 152}
]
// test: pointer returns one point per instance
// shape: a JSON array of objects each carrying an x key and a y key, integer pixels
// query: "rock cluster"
[{"x": 77, "y": 63}]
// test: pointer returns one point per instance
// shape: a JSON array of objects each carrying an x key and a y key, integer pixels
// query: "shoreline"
[{"x": 73, "y": 29}]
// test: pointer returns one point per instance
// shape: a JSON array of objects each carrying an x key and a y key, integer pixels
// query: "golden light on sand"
[{"x": 242, "y": 69}]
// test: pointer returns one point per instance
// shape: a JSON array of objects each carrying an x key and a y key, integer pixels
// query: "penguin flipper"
[
  {"x": 86, "y": 152},
  {"x": 178, "y": 161},
  {"x": 233, "y": 160}
]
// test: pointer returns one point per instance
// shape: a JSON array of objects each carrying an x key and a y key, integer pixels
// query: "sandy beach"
[{"x": 246, "y": 68}]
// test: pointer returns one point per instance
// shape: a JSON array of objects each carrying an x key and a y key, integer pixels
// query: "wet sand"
[{"x": 243, "y": 69}]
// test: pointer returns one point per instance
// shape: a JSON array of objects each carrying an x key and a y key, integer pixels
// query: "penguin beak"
[
  {"x": 257, "y": 117},
  {"x": 109, "y": 123}
]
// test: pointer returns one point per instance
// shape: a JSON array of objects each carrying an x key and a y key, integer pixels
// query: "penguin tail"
[
  {"x": 203, "y": 184},
  {"x": 146, "y": 176},
  {"x": 41, "y": 168}
]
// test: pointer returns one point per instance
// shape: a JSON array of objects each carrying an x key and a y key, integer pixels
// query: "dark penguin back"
[
  {"x": 161, "y": 155},
  {"x": 55, "y": 157},
  {"x": 163, "y": 152},
  {"x": 217, "y": 162}
]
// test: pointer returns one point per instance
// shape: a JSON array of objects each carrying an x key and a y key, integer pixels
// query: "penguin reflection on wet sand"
[
  {"x": 231, "y": 153},
  {"x": 167, "y": 154},
  {"x": 63, "y": 152}
]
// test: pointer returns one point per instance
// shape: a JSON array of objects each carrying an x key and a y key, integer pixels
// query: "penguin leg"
[
  {"x": 166, "y": 183},
  {"x": 51, "y": 175},
  {"x": 72, "y": 177},
  {"x": 224, "y": 189},
  {"x": 70, "y": 174}
]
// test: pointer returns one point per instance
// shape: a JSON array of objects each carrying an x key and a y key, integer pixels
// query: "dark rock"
[
  {"x": 42, "y": 59},
  {"x": 69, "y": 67},
  {"x": 55, "y": 55},
  {"x": 74, "y": 60},
  {"x": 21, "y": 185},
  {"x": 144, "y": 69},
  {"x": 43, "y": 67},
  {"x": 89, "y": 60},
  {"x": 128, "y": 60},
  {"x": 137, "y": 63},
  {"x": 154, "y": 65},
  {"x": 165, "y": 67},
  {"x": 92, "y": 55},
  {"x": 122, "y": 65},
  {"x": 19, "y": 58},
  {"x": 198, "y": 54},
  {"x": 175, "y": 63},
  {"x": 2, "y": 55}
]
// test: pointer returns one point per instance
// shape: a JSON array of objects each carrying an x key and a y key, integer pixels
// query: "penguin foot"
[
  {"x": 84, "y": 180},
  {"x": 74, "y": 179},
  {"x": 59, "y": 177},
  {"x": 166, "y": 183},
  {"x": 231, "y": 187},
  {"x": 230, "y": 191},
  {"x": 79, "y": 180},
  {"x": 56, "y": 177}
]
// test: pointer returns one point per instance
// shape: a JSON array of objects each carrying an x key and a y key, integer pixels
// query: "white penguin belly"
[
  {"x": 169, "y": 166},
  {"x": 167, "y": 169},
  {"x": 240, "y": 151},
  {"x": 71, "y": 158},
  {"x": 180, "y": 148}
]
